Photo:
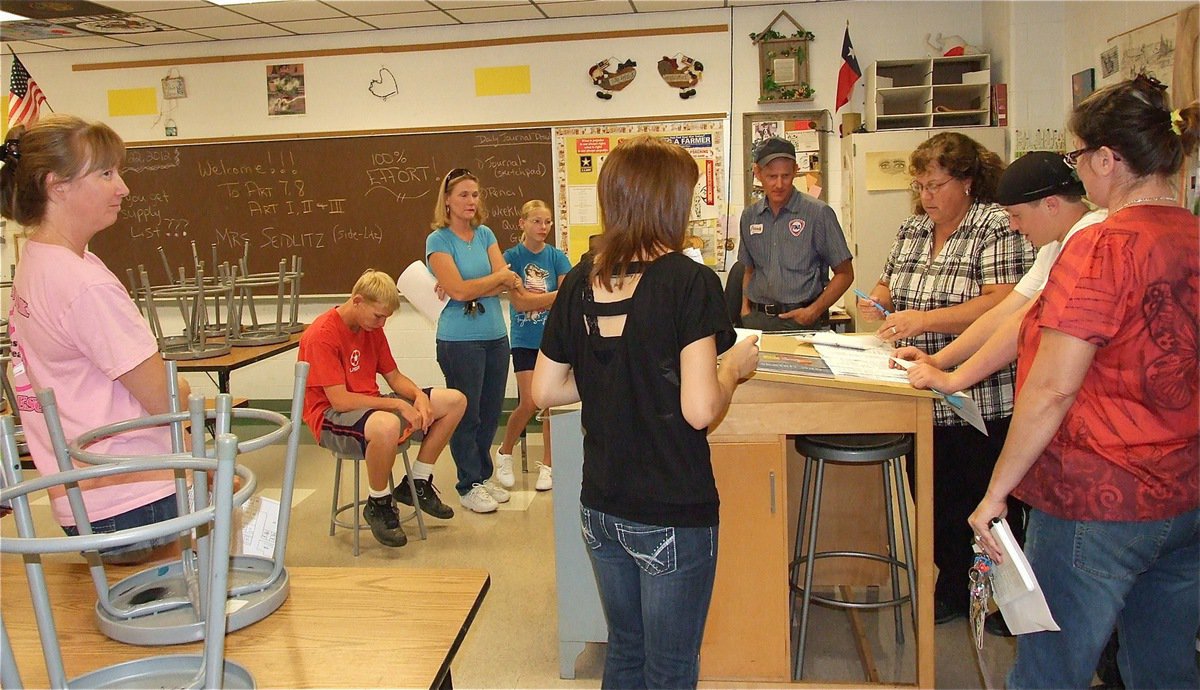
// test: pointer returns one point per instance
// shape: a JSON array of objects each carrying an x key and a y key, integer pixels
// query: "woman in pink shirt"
[{"x": 74, "y": 328}]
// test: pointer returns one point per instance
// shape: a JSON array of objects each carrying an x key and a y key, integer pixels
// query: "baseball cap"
[
  {"x": 1037, "y": 175},
  {"x": 772, "y": 148}
]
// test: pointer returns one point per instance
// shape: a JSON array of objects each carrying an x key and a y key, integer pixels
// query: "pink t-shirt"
[{"x": 75, "y": 330}]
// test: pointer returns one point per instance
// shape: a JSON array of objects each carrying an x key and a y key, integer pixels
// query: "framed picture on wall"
[{"x": 1083, "y": 83}]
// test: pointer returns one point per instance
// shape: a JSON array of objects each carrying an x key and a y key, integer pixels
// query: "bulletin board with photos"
[
  {"x": 806, "y": 129},
  {"x": 580, "y": 153}
]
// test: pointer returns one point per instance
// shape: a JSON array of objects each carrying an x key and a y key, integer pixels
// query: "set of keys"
[{"x": 980, "y": 592}]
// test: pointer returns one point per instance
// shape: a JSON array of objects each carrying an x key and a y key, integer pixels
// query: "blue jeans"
[
  {"x": 1142, "y": 577},
  {"x": 479, "y": 369},
  {"x": 655, "y": 585},
  {"x": 149, "y": 514}
]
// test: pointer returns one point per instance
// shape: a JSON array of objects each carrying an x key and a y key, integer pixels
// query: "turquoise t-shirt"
[
  {"x": 472, "y": 262},
  {"x": 539, "y": 272}
]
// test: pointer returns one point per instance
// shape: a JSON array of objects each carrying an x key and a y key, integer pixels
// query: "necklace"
[{"x": 1143, "y": 200}]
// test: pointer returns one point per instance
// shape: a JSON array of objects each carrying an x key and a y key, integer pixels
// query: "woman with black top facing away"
[{"x": 635, "y": 336}]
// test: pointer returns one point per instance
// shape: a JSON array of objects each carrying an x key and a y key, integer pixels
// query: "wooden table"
[
  {"x": 340, "y": 627},
  {"x": 759, "y": 475},
  {"x": 237, "y": 358}
]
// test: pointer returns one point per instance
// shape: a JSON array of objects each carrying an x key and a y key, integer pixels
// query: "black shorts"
[
  {"x": 345, "y": 433},
  {"x": 524, "y": 358}
]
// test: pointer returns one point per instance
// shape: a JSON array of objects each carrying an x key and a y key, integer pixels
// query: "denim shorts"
[{"x": 162, "y": 509}]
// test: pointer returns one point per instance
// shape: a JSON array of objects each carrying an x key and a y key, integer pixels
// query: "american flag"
[{"x": 25, "y": 97}]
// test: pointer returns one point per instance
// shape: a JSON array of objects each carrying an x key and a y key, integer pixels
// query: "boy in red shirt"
[{"x": 346, "y": 349}]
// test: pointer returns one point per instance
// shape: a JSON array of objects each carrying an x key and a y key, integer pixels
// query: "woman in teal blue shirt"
[{"x": 472, "y": 341}]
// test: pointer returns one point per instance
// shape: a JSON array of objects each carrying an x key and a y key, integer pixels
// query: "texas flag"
[{"x": 849, "y": 74}]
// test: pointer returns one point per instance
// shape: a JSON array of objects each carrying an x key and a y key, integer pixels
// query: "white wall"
[{"x": 437, "y": 89}]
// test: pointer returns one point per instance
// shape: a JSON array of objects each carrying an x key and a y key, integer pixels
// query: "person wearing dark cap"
[{"x": 790, "y": 242}]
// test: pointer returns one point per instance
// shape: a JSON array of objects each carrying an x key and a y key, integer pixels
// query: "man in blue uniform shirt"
[{"x": 789, "y": 243}]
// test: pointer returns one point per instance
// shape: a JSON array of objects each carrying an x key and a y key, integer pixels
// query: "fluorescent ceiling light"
[{"x": 10, "y": 17}]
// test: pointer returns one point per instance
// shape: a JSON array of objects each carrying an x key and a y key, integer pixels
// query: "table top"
[
  {"x": 340, "y": 627},
  {"x": 789, "y": 345},
  {"x": 239, "y": 356}
]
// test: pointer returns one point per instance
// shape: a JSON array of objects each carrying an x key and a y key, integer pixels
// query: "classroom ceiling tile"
[
  {"x": 197, "y": 18},
  {"x": 674, "y": 5},
  {"x": 22, "y": 47},
  {"x": 324, "y": 26},
  {"x": 287, "y": 11},
  {"x": 410, "y": 19},
  {"x": 84, "y": 43},
  {"x": 152, "y": 5},
  {"x": 473, "y": 4},
  {"x": 228, "y": 33},
  {"x": 158, "y": 38},
  {"x": 506, "y": 13},
  {"x": 585, "y": 8},
  {"x": 367, "y": 8}
]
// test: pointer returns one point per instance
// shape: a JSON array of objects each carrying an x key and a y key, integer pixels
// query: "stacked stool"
[{"x": 886, "y": 451}]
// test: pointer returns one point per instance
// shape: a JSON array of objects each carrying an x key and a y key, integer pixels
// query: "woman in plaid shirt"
[{"x": 954, "y": 259}]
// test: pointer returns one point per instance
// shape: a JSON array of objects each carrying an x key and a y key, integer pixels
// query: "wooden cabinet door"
[{"x": 747, "y": 633}]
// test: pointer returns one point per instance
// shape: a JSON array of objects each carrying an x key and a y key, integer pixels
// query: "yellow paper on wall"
[
  {"x": 132, "y": 102},
  {"x": 502, "y": 81}
]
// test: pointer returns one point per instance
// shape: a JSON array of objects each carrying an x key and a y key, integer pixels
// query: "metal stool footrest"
[{"x": 841, "y": 603}]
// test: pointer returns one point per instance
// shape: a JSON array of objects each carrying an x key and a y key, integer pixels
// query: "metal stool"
[
  {"x": 356, "y": 505},
  {"x": 210, "y": 669},
  {"x": 885, "y": 450}
]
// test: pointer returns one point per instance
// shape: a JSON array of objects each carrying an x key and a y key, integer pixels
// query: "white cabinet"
[
  {"x": 870, "y": 218},
  {"x": 929, "y": 92}
]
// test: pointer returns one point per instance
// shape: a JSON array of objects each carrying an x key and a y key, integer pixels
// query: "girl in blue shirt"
[
  {"x": 542, "y": 268},
  {"x": 472, "y": 342}
]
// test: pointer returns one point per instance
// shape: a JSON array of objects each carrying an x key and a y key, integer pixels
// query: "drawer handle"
[{"x": 772, "y": 476}]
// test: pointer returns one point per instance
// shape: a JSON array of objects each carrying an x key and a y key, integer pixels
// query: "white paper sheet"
[
  {"x": 260, "y": 518},
  {"x": 859, "y": 363},
  {"x": 856, "y": 341},
  {"x": 417, "y": 284},
  {"x": 1015, "y": 588}
]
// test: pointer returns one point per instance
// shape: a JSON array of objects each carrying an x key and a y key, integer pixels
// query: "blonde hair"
[
  {"x": 441, "y": 215},
  {"x": 65, "y": 145},
  {"x": 529, "y": 207},
  {"x": 377, "y": 287}
]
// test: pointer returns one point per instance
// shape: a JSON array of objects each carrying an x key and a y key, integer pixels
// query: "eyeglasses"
[
  {"x": 932, "y": 187},
  {"x": 1072, "y": 158},
  {"x": 456, "y": 175},
  {"x": 473, "y": 307}
]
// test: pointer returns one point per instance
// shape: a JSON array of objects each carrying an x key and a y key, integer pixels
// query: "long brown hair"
[{"x": 645, "y": 193}]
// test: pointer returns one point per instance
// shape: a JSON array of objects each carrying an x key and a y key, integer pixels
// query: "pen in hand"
[{"x": 875, "y": 304}]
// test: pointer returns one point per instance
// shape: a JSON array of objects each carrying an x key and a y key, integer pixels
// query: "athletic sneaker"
[
  {"x": 431, "y": 503},
  {"x": 504, "y": 471},
  {"x": 544, "y": 481},
  {"x": 478, "y": 500},
  {"x": 381, "y": 515},
  {"x": 498, "y": 494}
]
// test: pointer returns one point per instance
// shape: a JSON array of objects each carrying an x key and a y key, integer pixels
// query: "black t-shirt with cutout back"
[{"x": 642, "y": 460}]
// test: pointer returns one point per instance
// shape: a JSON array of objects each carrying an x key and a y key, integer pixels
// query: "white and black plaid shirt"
[{"x": 984, "y": 250}]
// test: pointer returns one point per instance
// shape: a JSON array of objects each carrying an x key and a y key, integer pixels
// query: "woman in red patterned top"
[{"x": 1103, "y": 444}]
